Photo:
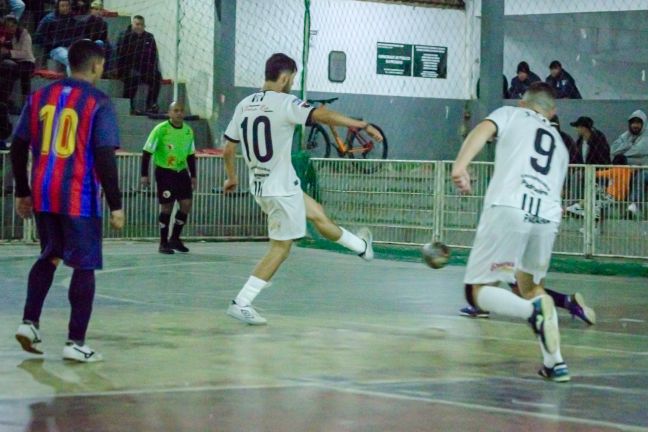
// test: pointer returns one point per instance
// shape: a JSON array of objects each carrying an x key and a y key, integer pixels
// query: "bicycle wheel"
[
  {"x": 362, "y": 145},
  {"x": 318, "y": 144}
]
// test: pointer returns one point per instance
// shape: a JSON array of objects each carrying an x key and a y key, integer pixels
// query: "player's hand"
[
  {"x": 193, "y": 183},
  {"x": 145, "y": 182},
  {"x": 117, "y": 219},
  {"x": 230, "y": 185},
  {"x": 461, "y": 179},
  {"x": 374, "y": 133},
  {"x": 24, "y": 207}
]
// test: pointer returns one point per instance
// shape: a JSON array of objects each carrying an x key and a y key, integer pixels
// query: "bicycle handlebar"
[{"x": 322, "y": 101}]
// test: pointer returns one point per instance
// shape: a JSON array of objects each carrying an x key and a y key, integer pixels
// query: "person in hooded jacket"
[
  {"x": 137, "y": 62},
  {"x": 57, "y": 31},
  {"x": 633, "y": 146}
]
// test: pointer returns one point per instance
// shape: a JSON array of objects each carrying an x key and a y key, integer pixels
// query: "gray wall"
[{"x": 420, "y": 128}]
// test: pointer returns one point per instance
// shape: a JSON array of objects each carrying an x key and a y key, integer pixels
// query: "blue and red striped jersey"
[{"x": 64, "y": 123}]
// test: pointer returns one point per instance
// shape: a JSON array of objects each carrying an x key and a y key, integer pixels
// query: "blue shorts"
[{"x": 75, "y": 240}]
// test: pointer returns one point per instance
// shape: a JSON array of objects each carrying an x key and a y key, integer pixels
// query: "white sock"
[
  {"x": 548, "y": 359},
  {"x": 250, "y": 290},
  {"x": 351, "y": 241},
  {"x": 504, "y": 302}
]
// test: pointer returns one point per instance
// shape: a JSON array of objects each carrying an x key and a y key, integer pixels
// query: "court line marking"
[
  {"x": 418, "y": 330},
  {"x": 136, "y": 392},
  {"x": 545, "y": 416}
]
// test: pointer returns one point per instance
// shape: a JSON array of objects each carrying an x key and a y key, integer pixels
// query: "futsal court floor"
[{"x": 350, "y": 346}]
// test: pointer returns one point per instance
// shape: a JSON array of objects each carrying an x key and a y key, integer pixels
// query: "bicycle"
[{"x": 357, "y": 141}]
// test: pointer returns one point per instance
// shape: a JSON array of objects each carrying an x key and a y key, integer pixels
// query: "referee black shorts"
[{"x": 172, "y": 185}]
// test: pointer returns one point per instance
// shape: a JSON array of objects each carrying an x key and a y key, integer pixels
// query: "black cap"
[
  {"x": 583, "y": 121},
  {"x": 523, "y": 67},
  {"x": 555, "y": 64}
]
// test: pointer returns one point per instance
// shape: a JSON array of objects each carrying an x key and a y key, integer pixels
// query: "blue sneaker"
[
  {"x": 578, "y": 308},
  {"x": 543, "y": 324},
  {"x": 473, "y": 312},
  {"x": 558, "y": 373}
]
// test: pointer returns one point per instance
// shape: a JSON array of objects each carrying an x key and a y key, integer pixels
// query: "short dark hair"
[
  {"x": 523, "y": 67},
  {"x": 555, "y": 65},
  {"x": 277, "y": 64},
  {"x": 82, "y": 53},
  {"x": 139, "y": 17},
  {"x": 10, "y": 19}
]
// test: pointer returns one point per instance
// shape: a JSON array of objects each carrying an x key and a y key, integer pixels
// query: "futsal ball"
[{"x": 435, "y": 254}]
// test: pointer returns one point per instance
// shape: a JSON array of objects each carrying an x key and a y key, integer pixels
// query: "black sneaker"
[
  {"x": 165, "y": 248},
  {"x": 153, "y": 109},
  {"x": 136, "y": 112},
  {"x": 178, "y": 245}
]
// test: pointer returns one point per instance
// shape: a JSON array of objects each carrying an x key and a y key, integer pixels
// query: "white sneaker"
[
  {"x": 365, "y": 234},
  {"x": 576, "y": 209},
  {"x": 29, "y": 338},
  {"x": 83, "y": 354},
  {"x": 247, "y": 314},
  {"x": 633, "y": 208}
]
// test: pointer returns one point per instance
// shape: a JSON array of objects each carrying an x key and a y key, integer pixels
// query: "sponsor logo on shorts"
[
  {"x": 166, "y": 194},
  {"x": 504, "y": 266},
  {"x": 535, "y": 219}
]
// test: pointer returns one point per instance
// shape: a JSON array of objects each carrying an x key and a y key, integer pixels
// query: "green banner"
[
  {"x": 430, "y": 61},
  {"x": 394, "y": 59}
]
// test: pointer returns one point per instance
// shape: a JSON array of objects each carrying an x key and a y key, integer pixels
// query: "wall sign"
[{"x": 421, "y": 61}]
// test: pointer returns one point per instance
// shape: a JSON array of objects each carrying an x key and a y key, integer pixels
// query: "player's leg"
[
  {"x": 574, "y": 303},
  {"x": 286, "y": 222},
  {"x": 532, "y": 269},
  {"x": 40, "y": 280},
  {"x": 166, "y": 199},
  {"x": 184, "y": 195},
  {"x": 360, "y": 243},
  {"x": 82, "y": 252},
  {"x": 154, "y": 80}
]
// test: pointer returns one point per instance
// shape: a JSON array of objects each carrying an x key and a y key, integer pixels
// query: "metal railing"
[
  {"x": 214, "y": 216},
  {"x": 403, "y": 202},
  {"x": 414, "y": 202}
]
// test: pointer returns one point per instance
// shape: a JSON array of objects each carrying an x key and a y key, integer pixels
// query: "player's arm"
[
  {"x": 333, "y": 118},
  {"x": 473, "y": 144},
  {"x": 229, "y": 155},
  {"x": 191, "y": 164},
  {"x": 149, "y": 150},
  {"x": 19, "y": 154}
]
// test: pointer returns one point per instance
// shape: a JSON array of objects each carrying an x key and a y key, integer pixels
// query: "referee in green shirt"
[{"x": 171, "y": 144}]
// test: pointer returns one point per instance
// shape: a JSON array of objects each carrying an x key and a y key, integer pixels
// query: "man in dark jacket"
[
  {"x": 96, "y": 29},
  {"x": 562, "y": 82},
  {"x": 137, "y": 62},
  {"x": 591, "y": 147},
  {"x": 521, "y": 82},
  {"x": 57, "y": 31}
]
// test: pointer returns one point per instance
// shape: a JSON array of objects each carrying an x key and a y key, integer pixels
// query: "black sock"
[
  {"x": 81, "y": 296},
  {"x": 180, "y": 221},
  {"x": 560, "y": 300},
  {"x": 165, "y": 219},
  {"x": 38, "y": 285}
]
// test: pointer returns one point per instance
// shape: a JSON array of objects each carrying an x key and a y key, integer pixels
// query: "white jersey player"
[
  {"x": 263, "y": 123},
  {"x": 521, "y": 216}
]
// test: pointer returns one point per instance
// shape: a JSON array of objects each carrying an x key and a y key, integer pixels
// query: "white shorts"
[
  {"x": 286, "y": 216},
  {"x": 510, "y": 240}
]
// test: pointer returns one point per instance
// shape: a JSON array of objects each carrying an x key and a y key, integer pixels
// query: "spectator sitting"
[
  {"x": 137, "y": 62},
  {"x": 96, "y": 29},
  {"x": 591, "y": 146},
  {"x": 57, "y": 31},
  {"x": 633, "y": 144},
  {"x": 16, "y": 61},
  {"x": 80, "y": 7},
  {"x": 521, "y": 82},
  {"x": 562, "y": 82}
]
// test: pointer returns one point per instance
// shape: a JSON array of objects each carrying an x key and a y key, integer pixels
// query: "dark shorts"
[
  {"x": 76, "y": 240},
  {"x": 172, "y": 185}
]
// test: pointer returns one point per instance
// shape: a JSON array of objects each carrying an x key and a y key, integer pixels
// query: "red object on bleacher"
[
  {"x": 48, "y": 74},
  {"x": 210, "y": 152}
]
